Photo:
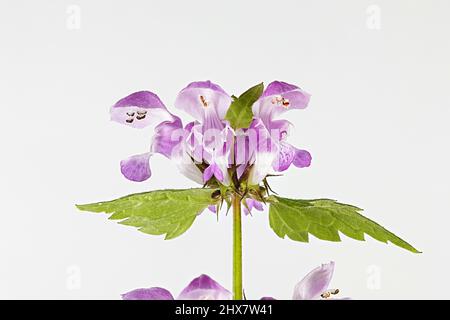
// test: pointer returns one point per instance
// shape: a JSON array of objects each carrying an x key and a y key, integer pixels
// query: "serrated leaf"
[
  {"x": 162, "y": 212},
  {"x": 240, "y": 112},
  {"x": 324, "y": 219}
]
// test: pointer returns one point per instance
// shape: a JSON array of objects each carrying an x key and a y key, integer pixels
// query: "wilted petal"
[
  {"x": 168, "y": 134},
  {"x": 140, "y": 109},
  {"x": 314, "y": 283},
  {"x": 148, "y": 294},
  {"x": 206, "y": 102},
  {"x": 302, "y": 158},
  {"x": 204, "y": 288},
  {"x": 136, "y": 168}
]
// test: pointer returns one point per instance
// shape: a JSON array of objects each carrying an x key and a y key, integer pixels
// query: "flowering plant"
[{"x": 232, "y": 148}]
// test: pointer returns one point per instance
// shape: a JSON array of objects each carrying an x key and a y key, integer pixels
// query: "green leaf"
[
  {"x": 240, "y": 113},
  {"x": 169, "y": 212},
  {"x": 324, "y": 219}
]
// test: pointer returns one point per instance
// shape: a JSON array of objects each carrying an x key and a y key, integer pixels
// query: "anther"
[
  {"x": 204, "y": 102},
  {"x": 329, "y": 293},
  {"x": 285, "y": 102},
  {"x": 130, "y": 114},
  {"x": 141, "y": 112},
  {"x": 325, "y": 295},
  {"x": 140, "y": 117},
  {"x": 130, "y": 120}
]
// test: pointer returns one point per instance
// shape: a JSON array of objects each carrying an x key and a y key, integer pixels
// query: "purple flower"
[
  {"x": 207, "y": 150},
  {"x": 278, "y": 98},
  {"x": 206, "y": 102},
  {"x": 247, "y": 207},
  {"x": 201, "y": 288},
  {"x": 139, "y": 110},
  {"x": 276, "y": 155},
  {"x": 251, "y": 204},
  {"x": 314, "y": 286}
]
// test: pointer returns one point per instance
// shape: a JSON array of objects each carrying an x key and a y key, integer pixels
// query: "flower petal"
[
  {"x": 282, "y": 127},
  {"x": 140, "y": 109},
  {"x": 263, "y": 150},
  {"x": 204, "y": 288},
  {"x": 205, "y": 101},
  {"x": 252, "y": 204},
  {"x": 240, "y": 169},
  {"x": 279, "y": 97},
  {"x": 314, "y": 283},
  {"x": 168, "y": 134},
  {"x": 185, "y": 164},
  {"x": 267, "y": 298},
  {"x": 213, "y": 170},
  {"x": 285, "y": 156},
  {"x": 302, "y": 158},
  {"x": 298, "y": 99},
  {"x": 154, "y": 293},
  {"x": 136, "y": 168}
]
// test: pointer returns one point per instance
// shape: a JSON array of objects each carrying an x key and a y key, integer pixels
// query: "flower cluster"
[
  {"x": 314, "y": 286},
  {"x": 208, "y": 150}
]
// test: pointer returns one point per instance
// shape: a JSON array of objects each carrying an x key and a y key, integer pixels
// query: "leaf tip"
[
  {"x": 81, "y": 207},
  {"x": 414, "y": 250}
]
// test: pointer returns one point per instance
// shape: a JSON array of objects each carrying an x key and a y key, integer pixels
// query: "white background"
[{"x": 377, "y": 127}]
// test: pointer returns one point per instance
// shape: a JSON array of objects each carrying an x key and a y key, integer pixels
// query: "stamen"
[
  {"x": 140, "y": 117},
  {"x": 142, "y": 112},
  {"x": 326, "y": 295},
  {"x": 204, "y": 102},
  {"x": 285, "y": 102},
  {"x": 130, "y": 113},
  {"x": 329, "y": 293},
  {"x": 130, "y": 120},
  {"x": 277, "y": 99}
]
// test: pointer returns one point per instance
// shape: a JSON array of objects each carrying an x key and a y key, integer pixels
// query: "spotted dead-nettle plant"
[{"x": 231, "y": 148}]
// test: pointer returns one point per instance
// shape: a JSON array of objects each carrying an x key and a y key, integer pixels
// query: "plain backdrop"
[{"x": 377, "y": 127}]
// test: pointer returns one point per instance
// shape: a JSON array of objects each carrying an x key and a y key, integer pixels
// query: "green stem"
[{"x": 237, "y": 248}]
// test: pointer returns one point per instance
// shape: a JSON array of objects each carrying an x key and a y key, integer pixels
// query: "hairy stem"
[{"x": 237, "y": 248}]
